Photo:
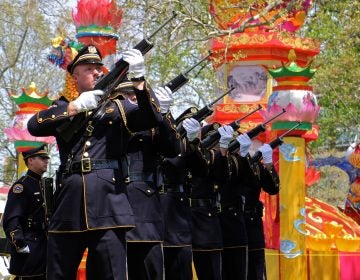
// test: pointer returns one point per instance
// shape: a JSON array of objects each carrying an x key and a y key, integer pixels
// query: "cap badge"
[{"x": 92, "y": 49}]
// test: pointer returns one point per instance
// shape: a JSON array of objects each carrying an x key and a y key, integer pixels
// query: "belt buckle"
[
  {"x": 127, "y": 179},
  {"x": 218, "y": 207},
  {"x": 85, "y": 165},
  {"x": 162, "y": 189}
]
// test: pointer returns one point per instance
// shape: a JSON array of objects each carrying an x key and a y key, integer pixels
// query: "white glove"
[
  {"x": 136, "y": 63},
  {"x": 192, "y": 128},
  {"x": 24, "y": 250},
  {"x": 226, "y": 134},
  {"x": 267, "y": 152},
  {"x": 88, "y": 100},
  {"x": 164, "y": 95},
  {"x": 245, "y": 143}
]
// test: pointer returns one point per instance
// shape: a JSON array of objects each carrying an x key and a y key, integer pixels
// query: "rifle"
[
  {"x": 108, "y": 83},
  {"x": 47, "y": 185},
  {"x": 211, "y": 140},
  {"x": 201, "y": 114},
  {"x": 254, "y": 132},
  {"x": 182, "y": 78},
  {"x": 273, "y": 144}
]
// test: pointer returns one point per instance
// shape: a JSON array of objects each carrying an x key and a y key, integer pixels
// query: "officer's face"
[
  {"x": 38, "y": 164},
  {"x": 86, "y": 75}
]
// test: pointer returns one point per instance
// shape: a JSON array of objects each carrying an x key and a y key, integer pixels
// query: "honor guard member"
[
  {"x": 207, "y": 241},
  {"x": 235, "y": 253},
  {"x": 145, "y": 149},
  {"x": 254, "y": 178},
  {"x": 24, "y": 219},
  {"x": 91, "y": 206},
  {"x": 173, "y": 178}
]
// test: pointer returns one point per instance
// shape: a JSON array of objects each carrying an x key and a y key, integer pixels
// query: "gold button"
[
  {"x": 65, "y": 113},
  {"x": 152, "y": 99},
  {"x": 216, "y": 187},
  {"x": 209, "y": 214},
  {"x": 140, "y": 140},
  {"x": 235, "y": 214},
  {"x": 110, "y": 122},
  {"x": 149, "y": 191},
  {"x": 88, "y": 143},
  {"x": 40, "y": 120},
  {"x": 113, "y": 179},
  {"x": 174, "y": 125},
  {"x": 53, "y": 116},
  {"x": 181, "y": 199},
  {"x": 86, "y": 154},
  {"x": 89, "y": 113}
]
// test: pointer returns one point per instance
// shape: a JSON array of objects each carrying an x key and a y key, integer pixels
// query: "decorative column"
[
  {"x": 293, "y": 93},
  {"x": 29, "y": 102},
  {"x": 242, "y": 60}
]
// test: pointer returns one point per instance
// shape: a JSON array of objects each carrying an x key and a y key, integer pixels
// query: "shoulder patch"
[{"x": 18, "y": 188}]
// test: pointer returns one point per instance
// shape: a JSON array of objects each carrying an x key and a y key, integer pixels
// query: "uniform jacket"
[
  {"x": 206, "y": 228},
  {"x": 96, "y": 198},
  {"x": 143, "y": 156},
  {"x": 176, "y": 204},
  {"x": 232, "y": 204},
  {"x": 254, "y": 178},
  {"x": 24, "y": 225}
]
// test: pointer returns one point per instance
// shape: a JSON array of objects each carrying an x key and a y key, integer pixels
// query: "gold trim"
[{"x": 123, "y": 115}]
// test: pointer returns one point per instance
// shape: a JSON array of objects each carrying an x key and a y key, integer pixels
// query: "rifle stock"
[
  {"x": 202, "y": 114},
  {"x": 211, "y": 140},
  {"x": 182, "y": 78},
  {"x": 275, "y": 143},
  {"x": 254, "y": 132},
  {"x": 108, "y": 83}
]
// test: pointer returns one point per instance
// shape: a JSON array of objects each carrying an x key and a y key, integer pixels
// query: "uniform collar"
[{"x": 33, "y": 174}]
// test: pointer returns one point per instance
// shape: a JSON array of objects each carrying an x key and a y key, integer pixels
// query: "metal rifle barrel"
[
  {"x": 254, "y": 132},
  {"x": 182, "y": 78},
  {"x": 201, "y": 114},
  {"x": 210, "y": 141},
  {"x": 275, "y": 143},
  {"x": 114, "y": 77}
]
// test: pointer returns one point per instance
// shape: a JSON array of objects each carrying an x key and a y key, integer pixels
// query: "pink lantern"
[{"x": 29, "y": 102}]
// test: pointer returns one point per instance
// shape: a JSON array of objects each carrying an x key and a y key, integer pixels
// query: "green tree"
[{"x": 337, "y": 25}]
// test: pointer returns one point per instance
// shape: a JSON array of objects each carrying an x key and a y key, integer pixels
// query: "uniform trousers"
[
  {"x": 178, "y": 263},
  {"x": 256, "y": 267},
  {"x": 208, "y": 264},
  {"x": 235, "y": 263},
  {"x": 145, "y": 260},
  {"x": 106, "y": 257},
  {"x": 256, "y": 251}
]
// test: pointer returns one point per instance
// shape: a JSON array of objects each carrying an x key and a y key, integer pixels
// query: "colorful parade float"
[
  {"x": 29, "y": 101},
  {"x": 271, "y": 66}
]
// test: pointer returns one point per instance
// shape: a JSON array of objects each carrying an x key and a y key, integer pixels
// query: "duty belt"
[
  {"x": 232, "y": 206},
  {"x": 86, "y": 165},
  {"x": 202, "y": 202},
  {"x": 140, "y": 177},
  {"x": 172, "y": 188}
]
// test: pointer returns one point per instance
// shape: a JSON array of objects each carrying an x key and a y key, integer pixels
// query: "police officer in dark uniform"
[
  {"x": 91, "y": 206},
  {"x": 24, "y": 219},
  {"x": 173, "y": 180},
  {"x": 235, "y": 253},
  {"x": 207, "y": 239},
  {"x": 145, "y": 150},
  {"x": 255, "y": 177}
]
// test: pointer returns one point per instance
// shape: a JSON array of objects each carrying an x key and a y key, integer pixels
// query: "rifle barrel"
[{"x": 174, "y": 14}]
